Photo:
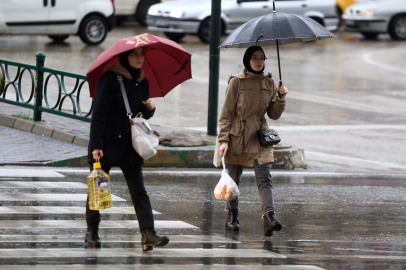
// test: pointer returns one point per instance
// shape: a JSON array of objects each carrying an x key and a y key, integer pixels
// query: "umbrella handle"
[{"x": 279, "y": 93}]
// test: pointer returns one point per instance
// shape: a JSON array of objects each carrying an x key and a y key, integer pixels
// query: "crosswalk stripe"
[
  {"x": 63, "y": 210},
  {"x": 130, "y": 224},
  {"x": 42, "y": 184},
  {"x": 49, "y": 197},
  {"x": 28, "y": 173},
  {"x": 164, "y": 267},
  {"x": 111, "y": 238},
  {"x": 124, "y": 252}
]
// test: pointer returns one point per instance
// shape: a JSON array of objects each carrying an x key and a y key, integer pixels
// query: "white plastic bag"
[
  {"x": 145, "y": 142},
  {"x": 226, "y": 188}
]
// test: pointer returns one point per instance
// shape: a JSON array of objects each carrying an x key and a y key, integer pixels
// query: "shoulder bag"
[{"x": 145, "y": 141}]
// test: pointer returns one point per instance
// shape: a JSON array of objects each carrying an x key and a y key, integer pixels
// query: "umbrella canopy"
[
  {"x": 166, "y": 63},
  {"x": 276, "y": 29}
]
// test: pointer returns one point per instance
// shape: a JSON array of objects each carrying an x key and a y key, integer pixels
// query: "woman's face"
[
  {"x": 136, "y": 58},
  {"x": 257, "y": 61}
]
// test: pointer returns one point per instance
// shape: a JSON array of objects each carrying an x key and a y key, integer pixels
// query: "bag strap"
[
  {"x": 124, "y": 94},
  {"x": 224, "y": 163}
]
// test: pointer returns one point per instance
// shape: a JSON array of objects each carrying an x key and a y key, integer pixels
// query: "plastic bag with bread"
[{"x": 226, "y": 189}]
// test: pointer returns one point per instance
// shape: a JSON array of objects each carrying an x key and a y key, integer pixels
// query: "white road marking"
[
  {"x": 49, "y": 197},
  {"x": 42, "y": 184},
  {"x": 63, "y": 210},
  {"x": 366, "y": 57},
  {"x": 28, "y": 173},
  {"x": 58, "y": 224}
]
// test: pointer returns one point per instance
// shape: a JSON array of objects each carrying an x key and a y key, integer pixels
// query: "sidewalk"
[{"x": 60, "y": 141}]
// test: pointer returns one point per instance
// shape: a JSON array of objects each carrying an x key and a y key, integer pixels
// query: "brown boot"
[{"x": 151, "y": 239}]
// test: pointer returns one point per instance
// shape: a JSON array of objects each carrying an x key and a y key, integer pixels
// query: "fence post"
[
  {"x": 39, "y": 85},
  {"x": 215, "y": 32}
]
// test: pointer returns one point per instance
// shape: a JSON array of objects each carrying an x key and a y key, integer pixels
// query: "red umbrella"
[{"x": 166, "y": 63}]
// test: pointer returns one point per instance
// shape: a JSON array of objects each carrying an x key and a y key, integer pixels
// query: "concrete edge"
[
  {"x": 37, "y": 128},
  {"x": 285, "y": 159}
]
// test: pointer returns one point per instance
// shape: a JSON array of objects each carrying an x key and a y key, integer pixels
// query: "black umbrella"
[{"x": 276, "y": 29}]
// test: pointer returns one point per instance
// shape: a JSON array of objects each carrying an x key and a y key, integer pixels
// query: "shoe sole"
[
  {"x": 269, "y": 232},
  {"x": 151, "y": 246}
]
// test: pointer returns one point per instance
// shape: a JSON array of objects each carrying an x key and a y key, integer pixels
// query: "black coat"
[{"x": 110, "y": 128}]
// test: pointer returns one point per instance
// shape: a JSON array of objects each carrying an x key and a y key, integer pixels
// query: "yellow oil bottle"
[{"x": 99, "y": 188}]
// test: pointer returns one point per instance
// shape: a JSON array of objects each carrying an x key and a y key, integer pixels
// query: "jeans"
[
  {"x": 264, "y": 182},
  {"x": 142, "y": 205}
]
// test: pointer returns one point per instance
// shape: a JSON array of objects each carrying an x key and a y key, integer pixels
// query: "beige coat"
[{"x": 244, "y": 113}]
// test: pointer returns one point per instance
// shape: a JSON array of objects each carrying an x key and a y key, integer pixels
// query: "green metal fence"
[{"x": 39, "y": 91}]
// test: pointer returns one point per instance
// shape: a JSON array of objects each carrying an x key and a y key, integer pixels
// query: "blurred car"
[
  {"x": 372, "y": 18},
  {"x": 89, "y": 19},
  {"x": 342, "y": 6},
  {"x": 137, "y": 8},
  {"x": 180, "y": 17}
]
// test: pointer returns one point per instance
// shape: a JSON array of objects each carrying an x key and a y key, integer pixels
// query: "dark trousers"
[
  {"x": 142, "y": 205},
  {"x": 264, "y": 182}
]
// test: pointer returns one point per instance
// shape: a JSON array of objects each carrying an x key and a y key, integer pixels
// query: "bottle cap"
[{"x": 97, "y": 164}]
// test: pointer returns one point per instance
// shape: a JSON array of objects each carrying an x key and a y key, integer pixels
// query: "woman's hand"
[
  {"x": 223, "y": 149},
  {"x": 283, "y": 90},
  {"x": 150, "y": 104},
  {"x": 97, "y": 153}
]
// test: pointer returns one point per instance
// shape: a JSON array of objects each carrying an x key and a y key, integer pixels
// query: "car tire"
[
  {"x": 369, "y": 35},
  {"x": 58, "y": 38},
  {"x": 142, "y": 11},
  {"x": 204, "y": 30},
  {"x": 93, "y": 30},
  {"x": 174, "y": 36},
  {"x": 397, "y": 27}
]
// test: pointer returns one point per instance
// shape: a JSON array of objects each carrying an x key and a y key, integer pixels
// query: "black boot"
[
  {"x": 271, "y": 224},
  {"x": 232, "y": 222},
  {"x": 151, "y": 239},
  {"x": 92, "y": 238}
]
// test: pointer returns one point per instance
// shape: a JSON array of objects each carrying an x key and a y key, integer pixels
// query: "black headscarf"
[
  {"x": 123, "y": 58},
  {"x": 247, "y": 58}
]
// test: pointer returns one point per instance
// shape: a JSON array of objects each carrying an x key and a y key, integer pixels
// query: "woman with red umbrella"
[
  {"x": 110, "y": 140},
  {"x": 149, "y": 66}
]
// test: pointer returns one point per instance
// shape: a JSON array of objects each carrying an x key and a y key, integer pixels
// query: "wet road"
[
  {"x": 345, "y": 105},
  {"x": 334, "y": 221}
]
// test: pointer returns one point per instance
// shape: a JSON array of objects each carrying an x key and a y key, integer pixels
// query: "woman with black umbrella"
[
  {"x": 110, "y": 140},
  {"x": 249, "y": 96}
]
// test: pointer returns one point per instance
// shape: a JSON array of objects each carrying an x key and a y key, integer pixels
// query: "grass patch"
[
  {"x": 209, "y": 143},
  {"x": 303, "y": 166},
  {"x": 23, "y": 116}
]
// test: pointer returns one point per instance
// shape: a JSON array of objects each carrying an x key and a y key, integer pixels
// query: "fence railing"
[{"x": 40, "y": 91}]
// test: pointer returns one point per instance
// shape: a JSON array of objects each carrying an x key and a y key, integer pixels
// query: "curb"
[
  {"x": 286, "y": 158},
  {"x": 40, "y": 129}
]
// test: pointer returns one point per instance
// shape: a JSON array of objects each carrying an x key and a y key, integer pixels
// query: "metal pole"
[
  {"x": 39, "y": 85},
  {"x": 215, "y": 33}
]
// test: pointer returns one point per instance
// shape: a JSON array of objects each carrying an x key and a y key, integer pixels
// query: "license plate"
[
  {"x": 350, "y": 23},
  {"x": 159, "y": 22}
]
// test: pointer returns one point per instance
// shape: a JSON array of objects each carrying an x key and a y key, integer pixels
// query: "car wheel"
[
  {"x": 397, "y": 27},
  {"x": 58, "y": 38},
  {"x": 174, "y": 36},
  {"x": 142, "y": 11},
  {"x": 369, "y": 35},
  {"x": 204, "y": 30},
  {"x": 93, "y": 30}
]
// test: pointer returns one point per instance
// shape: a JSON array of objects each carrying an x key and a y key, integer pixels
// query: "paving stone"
[
  {"x": 165, "y": 267},
  {"x": 81, "y": 141}
]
